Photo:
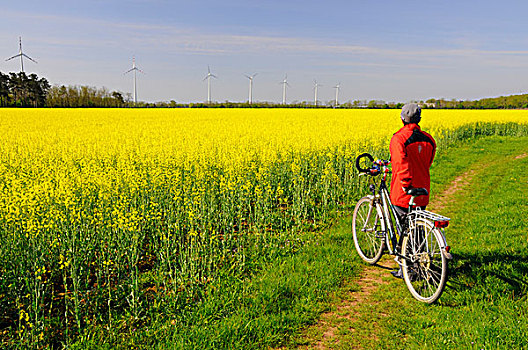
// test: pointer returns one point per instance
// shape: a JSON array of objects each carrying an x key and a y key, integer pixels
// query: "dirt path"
[
  {"x": 326, "y": 333},
  {"x": 457, "y": 185},
  {"x": 460, "y": 183}
]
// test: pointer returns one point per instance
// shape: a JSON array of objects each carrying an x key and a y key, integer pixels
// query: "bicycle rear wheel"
[
  {"x": 366, "y": 229},
  {"x": 425, "y": 266}
]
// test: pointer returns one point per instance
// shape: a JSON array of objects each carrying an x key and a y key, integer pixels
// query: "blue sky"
[{"x": 389, "y": 50}]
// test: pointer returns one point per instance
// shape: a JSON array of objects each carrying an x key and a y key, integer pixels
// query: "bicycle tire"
[
  {"x": 366, "y": 231},
  {"x": 425, "y": 266}
]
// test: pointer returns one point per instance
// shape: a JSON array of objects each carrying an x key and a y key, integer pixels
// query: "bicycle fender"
[{"x": 444, "y": 245}]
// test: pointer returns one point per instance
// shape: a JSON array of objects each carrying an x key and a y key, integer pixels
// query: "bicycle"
[{"x": 418, "y": 242}]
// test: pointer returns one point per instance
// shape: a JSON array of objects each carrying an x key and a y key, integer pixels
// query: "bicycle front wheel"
[
  {"x": 366, "y": 229},
  {"x": 425, "y": 266}
]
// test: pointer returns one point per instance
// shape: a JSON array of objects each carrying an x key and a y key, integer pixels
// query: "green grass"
[
  {"x": 266, "y": 309},
  {"x": 487, "y": 296},
  {"x": 485, "y": 304}
]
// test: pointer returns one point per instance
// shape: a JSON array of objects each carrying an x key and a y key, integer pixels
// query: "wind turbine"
[
  {"x": 284, "y": 84},
  {"x": 250, "y": 86},
  {"x": 337, "y": 87},
  {"x": 21, "y": 55},
  {"x": 316, "y": 86},
  {"x": 208, "y": 78},
  {"x": 135, "y": 70}
]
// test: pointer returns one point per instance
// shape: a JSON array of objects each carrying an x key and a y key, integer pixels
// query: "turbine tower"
[
  {"x": 208, "y": 78},
  {"x": 135, "y": 70},
  {"x": 316, "y": 86},
  {"x": 21, "y": 55},
  {"x": 284, "y": 84},
  {"x": 250, "y": 86},
  {"x": 337, "y": 87}
]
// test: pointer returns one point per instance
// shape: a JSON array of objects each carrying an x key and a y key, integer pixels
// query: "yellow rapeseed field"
[{"x": 90, "y": 199}]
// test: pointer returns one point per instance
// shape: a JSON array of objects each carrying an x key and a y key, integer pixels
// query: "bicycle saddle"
[{"x": 415, "y": 192}]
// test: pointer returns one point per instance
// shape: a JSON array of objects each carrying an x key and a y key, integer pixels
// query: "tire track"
[{"x": 347, "y": 310}]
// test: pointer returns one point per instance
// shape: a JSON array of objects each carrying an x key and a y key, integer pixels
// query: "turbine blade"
[
  {"x": 15, "y": 56},
  {"x": 29, "y": 58},
  {"x": 128, "y": 71}
]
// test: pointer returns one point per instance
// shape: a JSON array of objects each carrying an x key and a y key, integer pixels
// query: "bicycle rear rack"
[
  {"x": 440, "y": 222},
  {"x": 425, "y": 214}
]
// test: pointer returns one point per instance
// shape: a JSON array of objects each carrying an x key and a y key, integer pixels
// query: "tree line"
[
  {"x": 22, "y": 90},
  {"x": 84, "y": 97},
  {"x": 502, "y": 102}
]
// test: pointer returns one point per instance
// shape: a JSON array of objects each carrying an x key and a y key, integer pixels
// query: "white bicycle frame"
[
  {"x": 384, "y": 209},
  {"x": 381, "y": 201}
]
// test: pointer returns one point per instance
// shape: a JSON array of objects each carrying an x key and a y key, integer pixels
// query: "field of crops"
[{"x": 106, "y": 214}]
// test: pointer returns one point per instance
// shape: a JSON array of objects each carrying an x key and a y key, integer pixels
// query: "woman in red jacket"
[{"x": 412, "y": 153}]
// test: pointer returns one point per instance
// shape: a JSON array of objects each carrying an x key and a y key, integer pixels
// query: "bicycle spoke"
[
  {"x": 436, "y": 274},
  {"x": 372, "y": 242},
  {"x": 365, "y": 221}
]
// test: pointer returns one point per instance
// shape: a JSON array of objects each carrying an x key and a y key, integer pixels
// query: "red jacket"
[{"x": 412, "y": 153}]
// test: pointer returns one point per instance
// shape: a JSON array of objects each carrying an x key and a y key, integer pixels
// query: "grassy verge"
[
  {"x": 486, "y": 300},
  {"x": 486, "y": 305}
]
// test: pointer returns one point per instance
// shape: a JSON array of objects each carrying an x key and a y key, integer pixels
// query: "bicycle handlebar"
[
  {"x": 358, "y": 159},
  {"x": 376, "y": 167}
]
